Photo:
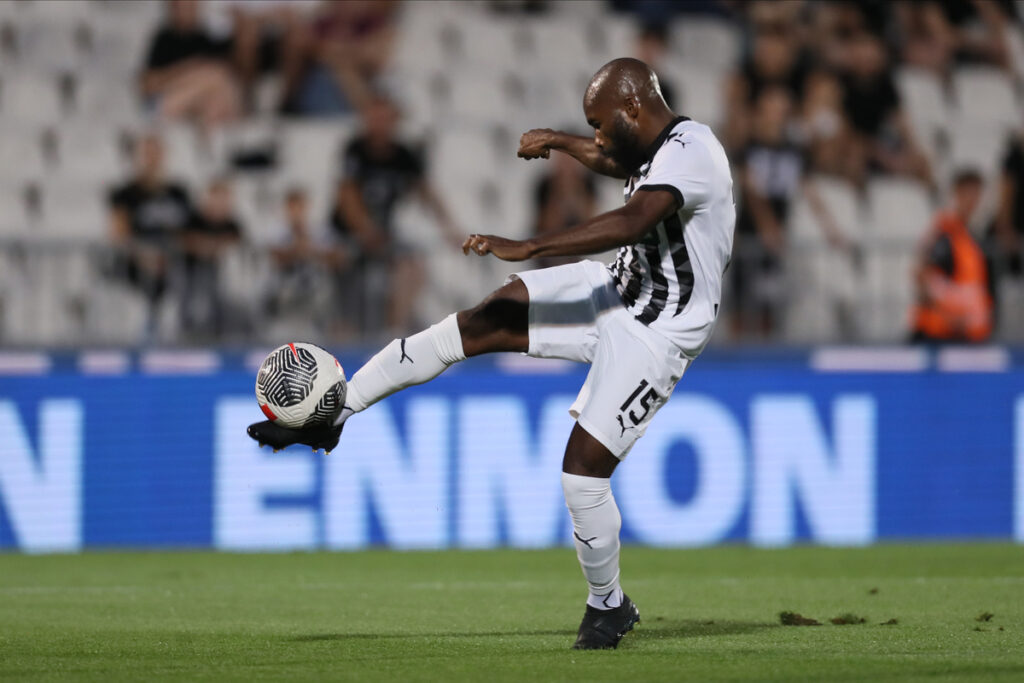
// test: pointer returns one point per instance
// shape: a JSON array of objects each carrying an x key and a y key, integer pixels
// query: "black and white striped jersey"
[{"x": 671, "y": 280}]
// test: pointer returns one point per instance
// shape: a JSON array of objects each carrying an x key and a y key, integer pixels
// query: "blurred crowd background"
[{"x": 242, "y": 172}]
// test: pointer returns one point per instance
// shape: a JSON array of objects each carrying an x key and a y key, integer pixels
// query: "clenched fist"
[
  {"x": 503, "y": 248},
  {"x": 536, "y": 143}
]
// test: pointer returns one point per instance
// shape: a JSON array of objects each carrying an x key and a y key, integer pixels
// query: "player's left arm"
[{"x": 619, "y": 227}]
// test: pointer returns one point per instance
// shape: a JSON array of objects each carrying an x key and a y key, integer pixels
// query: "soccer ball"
[{"x": 301, "y": 385}]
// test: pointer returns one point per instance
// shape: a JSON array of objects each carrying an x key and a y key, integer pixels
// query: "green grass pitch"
[{"x": 708, "y": 614}]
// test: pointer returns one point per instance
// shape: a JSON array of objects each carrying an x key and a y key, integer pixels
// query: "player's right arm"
[{"x": 539, "y": 142}]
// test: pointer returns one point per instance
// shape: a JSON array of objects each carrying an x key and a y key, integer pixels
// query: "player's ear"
[{"x": 631, "y": 106}]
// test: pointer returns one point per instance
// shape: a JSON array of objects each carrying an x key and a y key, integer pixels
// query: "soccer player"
[{"x": 639, "y": 322}]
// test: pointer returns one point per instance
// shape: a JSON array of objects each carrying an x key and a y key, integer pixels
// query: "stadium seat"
[
  {"x": 184, "y": 156},
  {"x": 15, "y": 221},
  {"x": 21, "y": 155},
  {"x": 121, "y": 31},
  {"x": 927, "y": 108},
  {"x": 107, "y": 101},
  {"x": 424, "y": 27},
  {"x": 888, "y": 286},
  {"x": 900, "y": 212},
  {"x": 980, "y": 147},
  {"x": 822, "y": 302},
  {"x": 482, "y": 44},
  {"x": 88, "y": 152},
  {"x": 610, "y": 36},
  {"x": 701, "y": 93},
  {"x": 73, "y": 213},
  {"x": 560, "y": 45},
  {"x": 480, "y": 100},
  {"x": 985, "y": 98},
  {"x": 30, "y": 98},
  {"x": 49, "y": 47},
  {"x": 311, "y": 150},
  {"x": 712, "y": 45}
]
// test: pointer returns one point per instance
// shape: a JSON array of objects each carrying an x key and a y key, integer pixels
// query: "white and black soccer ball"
[{"x": 301, "y": 385}]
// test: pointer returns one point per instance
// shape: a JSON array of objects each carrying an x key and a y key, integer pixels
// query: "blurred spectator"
[
  {"x": 211, "y": 232},
  {"x": 775, "y": 60},
  {"x": 953, "y": 302},
  {"x": 831, "y": 146},
  {"x": 266, "y": 36},
  {"x": 772, "y": 173},
  {"x": 563, "y": 198},
  {"x": 187, "y": 74},
  {"x": 979, "y": 29},
  {"x": 378, "y": 172},
  {"x": 652, "y": 48},
  {"x": 148, "y": 215},
  {"x": 873, "y": 106},
  {"x": 926, "y": 38},
  {"x": 1008, "y": 228},
  {"x": 352, "y": 45},
  {"x": 305, "y": 260}
]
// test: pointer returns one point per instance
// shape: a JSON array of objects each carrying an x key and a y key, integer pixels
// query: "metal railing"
[{"x": 64, "y": 295}]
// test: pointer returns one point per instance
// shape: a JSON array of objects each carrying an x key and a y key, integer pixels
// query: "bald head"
[
  {"x": 625, "y": 78},
  {"x": 624, "y": 105}
]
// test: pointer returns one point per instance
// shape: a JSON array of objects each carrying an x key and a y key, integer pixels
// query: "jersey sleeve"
[{"x": 682, "y": 168}]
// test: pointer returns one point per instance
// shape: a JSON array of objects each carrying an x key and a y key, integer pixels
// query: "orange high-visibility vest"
[{"x": 960, "y": 307}]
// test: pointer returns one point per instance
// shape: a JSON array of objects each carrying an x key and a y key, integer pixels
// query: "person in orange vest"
[{"x": 953, "y": 300}]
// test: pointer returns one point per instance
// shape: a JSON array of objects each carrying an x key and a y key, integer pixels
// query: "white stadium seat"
[
  {"x": 926, "y": 106},
  {"x": 73, "y": 213},
  {"x": 710, "y": 44},
  {"x": 823, "y": 282},
  {"x": 985, "y": 97},
  {"x": 700, "y": 94},
  {"x": 901, "y": 212},
  {"x": 89, "y": 153},
  {"x": 312, "y": 150},
  {"x": 21, "y": 156},
  {"x": 108, "y": 101},
  {"x": 976, "y": 146},
  {"x": 31, "y": 99}
]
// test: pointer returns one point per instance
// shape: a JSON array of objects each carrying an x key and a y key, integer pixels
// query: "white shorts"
[{"x": 576, "y": 314}]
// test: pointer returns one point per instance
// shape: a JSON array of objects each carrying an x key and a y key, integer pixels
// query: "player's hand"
[
  {"x": 505, "y": 249},
  {"x": 535, "y": 144}
]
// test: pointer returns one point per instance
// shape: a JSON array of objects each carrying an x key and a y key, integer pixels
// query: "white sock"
[
  {"x": 596, "y": 523},
  {"x": 402, "y": 363}
]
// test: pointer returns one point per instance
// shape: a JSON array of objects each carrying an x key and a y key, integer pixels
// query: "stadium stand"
[{"x": 470, "y": 77}]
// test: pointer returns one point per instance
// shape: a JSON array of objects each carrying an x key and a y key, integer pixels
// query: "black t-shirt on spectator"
[
  {"x": 215, "y": 228},
  {"x": 869, "y": 104},
  {"x": 153, "y": 213},
  {"x": 1013, "y": 166},
  {"x": 545, "y": 186},
  {"x": 170, "y": 47},
  {"x": 200, "y": 225},
  {"x": 776, "y": 172},
  {"x": 792, "y": 81},
  {"x": 382, "y": 178}
]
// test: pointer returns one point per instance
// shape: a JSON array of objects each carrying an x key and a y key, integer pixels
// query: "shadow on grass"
[
  {"x": 660, "y": 628},
  {"x": 652, "y": 629},
  {"x": 316, "y": 637}
]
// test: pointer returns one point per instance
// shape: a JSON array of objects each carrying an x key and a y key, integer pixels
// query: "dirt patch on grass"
[
  {"x": 848, "y": 619},
  {"x": 796, "y": 619}
]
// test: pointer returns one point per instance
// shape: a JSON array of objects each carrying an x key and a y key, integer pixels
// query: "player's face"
[{"x": 615, "y": 135}]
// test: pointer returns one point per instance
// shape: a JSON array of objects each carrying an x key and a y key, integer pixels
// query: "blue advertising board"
[{"x": 759, "y": 451}]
